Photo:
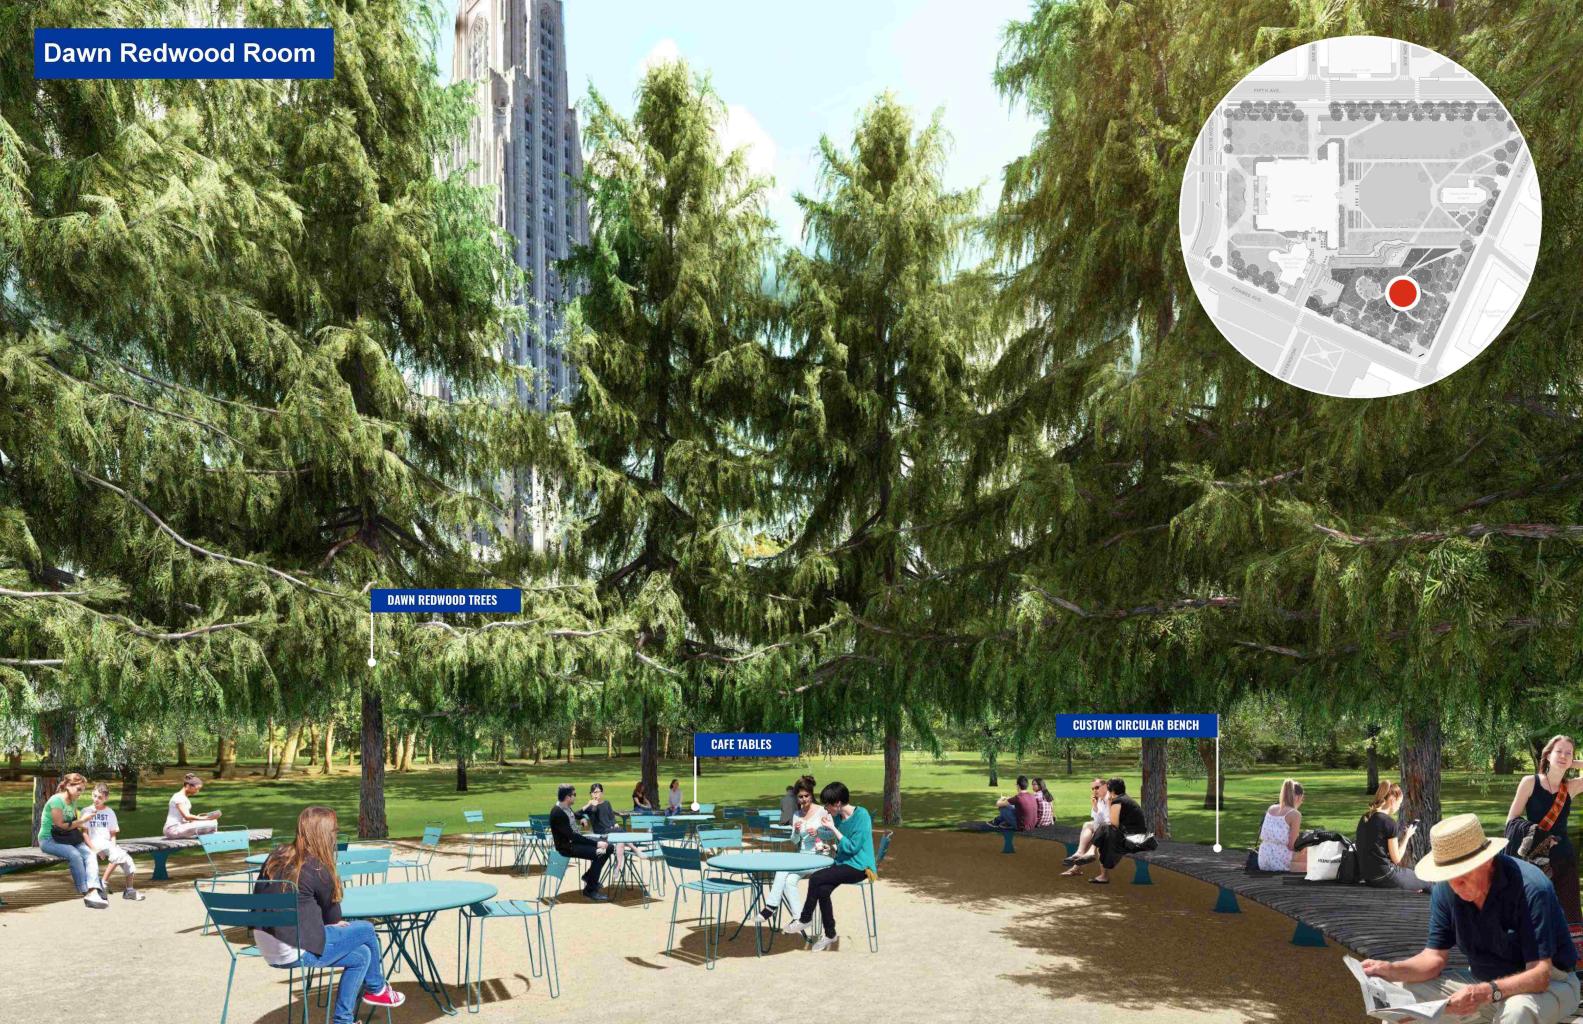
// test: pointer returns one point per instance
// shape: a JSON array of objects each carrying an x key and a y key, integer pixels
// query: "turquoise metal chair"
[
  {"x": 363, "y": 865},
  {"x": 683, "y": 859},
  {"x": 421, "y": 863},
  {"x": 230, "y": 904},
  {"x": 761, "y": 825},
  {"x": 719, "y": 839},
  {"x": 773, "y": 813},
  {"x": 866, "y": 890},
  {"x": 219, "y": 844},
  {"x": 546, "y": 964},
  {"x": 706, "y": 808},
  {"x": 658, "y": 872},
  {"x": 734, "y": 812},
  {"x": 488, "y": 842}
]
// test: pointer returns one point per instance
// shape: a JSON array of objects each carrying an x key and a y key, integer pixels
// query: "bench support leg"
[
  {"x": 1308, "y": 935},
  {"x": 1006, "y": 841},
  {"x": 160, "y": 874},
  {"x": 1226, "y": 902},
  {"x": 1140, "y": 872}
]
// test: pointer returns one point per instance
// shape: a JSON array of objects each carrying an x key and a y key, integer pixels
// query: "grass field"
[{"x": 935, "y": 793}]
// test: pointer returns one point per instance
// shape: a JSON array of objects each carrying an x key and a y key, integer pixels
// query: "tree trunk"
[
  {"x": 58, "y": 739},
  {"x": 327, "y": 758},
  {"x": 1069, "y": 746},
  {"x": 1374, "y": 768},
  {"x": 225, "y": 757},
  {"x": 1503, "y": 760},
  {"x": 311, "y": 745},
  {"x": 538, "y": 751},
  {"x": 461, "y": 772},
  {"x": 1420, "y": 766},
  {"x": 994, "y": 769},
  {"x": 649, "y": 758},
  {"x": 13, "y": 764},
  {"x": 181, "y": 753},
  {"x": 269, "y": 748},
  {"x": 1155, "y": 809},
  {"x": 288, "y": 751},
  {"x": 559, "y": 747},
  {"x": 130, "y": 776},
  {"x": 1214, "y": 796},
  {"x": 409, "y": 744},
  {"x": 665, "y": 743},
  {"x": 371, "y": 822},
  {"x": 610, "y": 743},
  {"x": 892, "y": 795},
  {"x": 571, "y": 744}
]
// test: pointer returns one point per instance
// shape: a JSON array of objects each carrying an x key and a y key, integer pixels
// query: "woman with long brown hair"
[
  {"x": 321, "y": 938},
  {"x": 1545, "y": 798},
  {"x": 60, "y": 833},
  {"x": 1382, "y": 844}
]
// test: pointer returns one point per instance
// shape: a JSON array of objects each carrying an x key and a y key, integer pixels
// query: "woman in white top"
[
  {"x": 1098, "y": 818},
  {"x": 810, "y": 817},
  {"x": 1278, "y": 832},
  {"x": 674, "y": 806}
]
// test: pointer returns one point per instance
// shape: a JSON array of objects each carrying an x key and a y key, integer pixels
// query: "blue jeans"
[
  {"x": 354, "y": 948},
  {"x": 1007, "y": 818},
  {"x": 81, "y": 860}
]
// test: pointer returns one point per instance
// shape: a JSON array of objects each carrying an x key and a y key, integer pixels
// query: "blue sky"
[{"x": 790, "y": 72}]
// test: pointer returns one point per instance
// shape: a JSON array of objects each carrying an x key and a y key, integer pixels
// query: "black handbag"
[{"x": 66, "y": 836}]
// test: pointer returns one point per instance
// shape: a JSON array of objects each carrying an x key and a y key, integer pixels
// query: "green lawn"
[{"x": 935, "y": 793}]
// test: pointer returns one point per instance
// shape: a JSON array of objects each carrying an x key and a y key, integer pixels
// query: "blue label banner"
[
  {"x": 746, "y": 744},
  {"x": 1136, "y": 725},
  {"x": 183, "y": 53},
  {"x": 446, "y": 602}
]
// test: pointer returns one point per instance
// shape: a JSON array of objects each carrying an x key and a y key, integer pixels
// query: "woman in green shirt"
[
  {"x": 60, "y": 833},
  {"x": 853, "y": 840}
]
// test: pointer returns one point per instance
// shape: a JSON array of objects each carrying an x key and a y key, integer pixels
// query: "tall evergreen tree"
[{"x": 882, "y": 320}]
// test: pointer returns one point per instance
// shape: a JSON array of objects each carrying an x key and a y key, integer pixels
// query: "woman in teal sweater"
[{"x": 853, "y": 839}]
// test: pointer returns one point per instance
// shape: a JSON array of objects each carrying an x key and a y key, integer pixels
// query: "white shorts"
[{"x": 114, "y": 857}]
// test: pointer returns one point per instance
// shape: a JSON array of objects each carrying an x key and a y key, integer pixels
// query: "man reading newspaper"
[{"x": 1503, "y": 914}]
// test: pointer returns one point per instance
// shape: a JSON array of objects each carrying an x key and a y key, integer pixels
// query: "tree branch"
[{"x": 1527, "y": 531}]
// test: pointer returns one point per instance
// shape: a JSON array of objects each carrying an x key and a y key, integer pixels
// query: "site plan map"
[{"x": 1360, "y": 216}]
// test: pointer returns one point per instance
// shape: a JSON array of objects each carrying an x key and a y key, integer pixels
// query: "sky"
[{"x": 791, "y": 72}]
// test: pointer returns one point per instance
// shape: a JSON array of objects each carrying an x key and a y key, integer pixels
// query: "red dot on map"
[{"x": 1403, "y": 293}]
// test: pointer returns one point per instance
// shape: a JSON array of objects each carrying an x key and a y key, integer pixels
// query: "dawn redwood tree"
[
  {"x": 882, "y": 315},
  {"x": 218, "y": 301},
  {"x": 669, "y": 338}
]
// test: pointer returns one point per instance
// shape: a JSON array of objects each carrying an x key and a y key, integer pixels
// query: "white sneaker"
[
  {"x": 95, "y": 899},
  {"x": 797, "y": 928},
  {"x": 825, "y": 942}
]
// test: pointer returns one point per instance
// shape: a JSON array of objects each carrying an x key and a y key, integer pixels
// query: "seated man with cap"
[{"x": 1505, "y": 917}]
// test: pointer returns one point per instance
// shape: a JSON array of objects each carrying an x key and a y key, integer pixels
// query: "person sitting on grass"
[
  {"x": 673, "y": 804},
  {"x": 641, "y": 804},
  {"x": 1098, "y": 818},
  {"x": 1125, "y": 832},
  {"x": 103, "y": 828},
  {"x": 60, "y": 834},
  {"x": 1504, "y": 916},
  {"x": 1279, "y": 830},
  {"x": 180, "y": 822},
  {"x": 1019, "y": 811},
  {"x": 806, "y": 823},
  {"x": 1041, "y": 793},
  {"x": 321, "y": 939},
  {"x": 852, "y": 839},
  {"x": 1380, "y": 848},
  {"x": 570, "y": 843}
]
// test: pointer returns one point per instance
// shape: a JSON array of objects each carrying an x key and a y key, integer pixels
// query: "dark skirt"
[{"x": 1113, "y": 844}]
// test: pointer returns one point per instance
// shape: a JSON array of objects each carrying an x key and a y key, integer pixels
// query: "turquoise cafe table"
[
  {"x": 402, "y": 913},
  {"x": 757, "y": 865}
]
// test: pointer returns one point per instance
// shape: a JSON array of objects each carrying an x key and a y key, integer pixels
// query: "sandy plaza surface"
[{"x": 966, "y": 934}]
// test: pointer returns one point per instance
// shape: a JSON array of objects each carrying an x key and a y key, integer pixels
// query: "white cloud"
[
  {"x": 743, "y": 131},
  {"x": 662, "y": 52}
]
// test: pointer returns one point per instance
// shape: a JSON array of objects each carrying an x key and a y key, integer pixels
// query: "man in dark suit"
[{"x": 571, "y": 843}]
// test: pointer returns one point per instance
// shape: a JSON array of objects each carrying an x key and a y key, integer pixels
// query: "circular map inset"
[{"x": 1360, "y": 216}]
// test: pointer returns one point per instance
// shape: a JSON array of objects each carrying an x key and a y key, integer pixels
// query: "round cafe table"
[
  {"x": 522, "y": 829},
  {"x": 756, "y": 865},
  {"x": 630, "y": 873},
  {"x": 402, "y": 912}
]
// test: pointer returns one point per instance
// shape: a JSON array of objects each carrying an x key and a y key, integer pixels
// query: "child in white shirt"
[{"x": 102, "y": 830}]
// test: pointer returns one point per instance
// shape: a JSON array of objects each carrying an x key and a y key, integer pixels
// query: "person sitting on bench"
[
  {"x": 1126, "y": 832},
  {"x": 1382, "y": 844},
  {"x": 1019, "y": 811},
  {"x": 1098, "y": 818},
  {"x": 1505, "y": 917},
  {"x": 1279, "y": 830},
  {"x": 570, "y": 843},
  {"x": 180, "y": 822}
]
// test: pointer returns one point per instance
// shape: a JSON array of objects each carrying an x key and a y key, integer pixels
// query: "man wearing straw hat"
[{"x": 1503, "y": 914}]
